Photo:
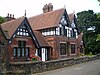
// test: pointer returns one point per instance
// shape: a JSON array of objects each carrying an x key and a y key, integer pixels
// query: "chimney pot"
[
  {"x": 50, "y": 7},
  {"x": 45, "y": 8},
  {"x": 13, "y": 16},
  {"x": 8, "y": 15}
]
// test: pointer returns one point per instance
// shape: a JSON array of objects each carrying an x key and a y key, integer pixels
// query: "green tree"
[
  {"x": 89, "y": 24},
  {"x": 2, "y": 19},
  {"x": 98, "y": 37},
  {"x": 99, "y": 1},
  {"x": 86, "y": 19}
]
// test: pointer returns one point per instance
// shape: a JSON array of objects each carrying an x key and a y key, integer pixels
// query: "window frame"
[{"x": 63, "y": 51}]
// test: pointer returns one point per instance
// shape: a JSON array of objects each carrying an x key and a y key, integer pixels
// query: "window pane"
[
  {"x": 27, "y": 51},
  {"x": 18, "y": 51},
  {"x": 23, "y": 52},
  {"x": 72, "y": 48},
  {"x": 14, "y": 52},
  {"x": 63, "y": 48}
]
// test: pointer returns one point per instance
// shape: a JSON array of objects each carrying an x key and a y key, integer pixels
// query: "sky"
[{"x": 34, "y": 7}]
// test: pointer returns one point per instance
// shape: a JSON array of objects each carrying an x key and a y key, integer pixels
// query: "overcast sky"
[{"x": 34, "y": 7}]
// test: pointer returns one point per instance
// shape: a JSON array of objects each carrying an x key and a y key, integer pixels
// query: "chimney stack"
[
  {"x": 9, "y": 17},
  {"x": 47, "y": 8},
  {"x": 50, "y": 7}
]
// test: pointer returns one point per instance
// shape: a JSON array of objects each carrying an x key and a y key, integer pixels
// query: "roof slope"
[
  {"x": 46, "y": 20},
  {"x": 41, "y": 40},
  {"x": 11, "y": 26},
  {"x": 71, "y": 17}
]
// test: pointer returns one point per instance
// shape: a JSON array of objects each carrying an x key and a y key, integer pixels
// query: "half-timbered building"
[{"x": 51, "y": 35}]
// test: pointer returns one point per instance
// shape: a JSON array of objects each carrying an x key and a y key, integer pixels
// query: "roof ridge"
[
  {"x": 46, "y": 13},
  {"x": 11, "y": 21}
]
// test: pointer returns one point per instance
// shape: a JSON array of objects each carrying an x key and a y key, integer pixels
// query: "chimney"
[
  {"x": 47, "y": 8},
  {"x": 50, "y": 7},
  {"x": 13, "y": 16},
  {"x": 10, "y": 15}
]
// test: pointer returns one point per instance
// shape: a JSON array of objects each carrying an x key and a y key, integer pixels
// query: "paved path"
[{"x": 89, "y": 68}]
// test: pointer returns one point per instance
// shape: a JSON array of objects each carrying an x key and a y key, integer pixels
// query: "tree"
[
  {"x": 85, "y": 19},
  {"x": 98, "y": 37},
  {"x": 89, "y": 24},
  {"x": 2, "y": 19}
]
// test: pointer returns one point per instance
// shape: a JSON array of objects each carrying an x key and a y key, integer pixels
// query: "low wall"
[{"x": 23, "y": 68}]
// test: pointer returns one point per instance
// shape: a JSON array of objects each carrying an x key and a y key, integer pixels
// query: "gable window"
[
  {"x": 21, "y": 50},
  {"x": 72, "y": 48},
  {"x": 63, "y": 48}
]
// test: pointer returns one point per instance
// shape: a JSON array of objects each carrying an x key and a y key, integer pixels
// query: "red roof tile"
[
  {"x": 71, "y": 17},
  {"x": 11, "y": 26},
  {"x": 46, "y": 20},
  {"x": 41, "y": 40}
]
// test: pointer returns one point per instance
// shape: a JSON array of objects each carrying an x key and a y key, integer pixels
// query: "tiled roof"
[
  {"x": 41, "y": 40},
  {"x": 71, "y": 17},
  {"x": 46, "y": 20},
  {"x": 11, "y": 26}
]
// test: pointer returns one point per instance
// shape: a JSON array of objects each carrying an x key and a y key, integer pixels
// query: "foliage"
[
  {"x": 2, "y": 19},
  {"x": 34, "y": 58},
  {"x": 98, "y": 38},
  {"x": 88, "y": 19}
]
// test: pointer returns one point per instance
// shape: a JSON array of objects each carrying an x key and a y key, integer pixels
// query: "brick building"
[{"x": 51, "y": 35}]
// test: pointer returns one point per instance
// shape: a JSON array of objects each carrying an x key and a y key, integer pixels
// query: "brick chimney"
[
  {"x": 50, "y": 7},
  {"x": 47, "y": 8}
]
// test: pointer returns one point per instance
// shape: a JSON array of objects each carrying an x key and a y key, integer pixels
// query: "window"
[
  {"x": 63, "y": 48},
  {"x": 23, "y": 54},
  {"x": 73, "y": 33},
  {"x": 21, "y": 43},
  {"x": 27, "y": 51},
  {"x": 72, "y": 48},
  {"x": 21, "y": 50},
  {"x": 48, "y": 32},
  {"x": 14, "y": 52}
]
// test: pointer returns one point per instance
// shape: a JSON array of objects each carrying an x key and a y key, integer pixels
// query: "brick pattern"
[
  {"x": 29, "y": 43},
  {"x": 54, "y": 42}
]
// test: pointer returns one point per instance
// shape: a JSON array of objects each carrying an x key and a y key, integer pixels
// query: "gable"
[
  {"x": 64, "y": 19},
  {"x": 24, "y": 30},
  {"x": 10, "y": 27}
]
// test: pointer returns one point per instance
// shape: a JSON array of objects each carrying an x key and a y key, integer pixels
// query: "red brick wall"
[
  {"x": 14, "y": 43},
  {"x": 55, "y": 41},
  {"x": 3, "y": 47}
]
